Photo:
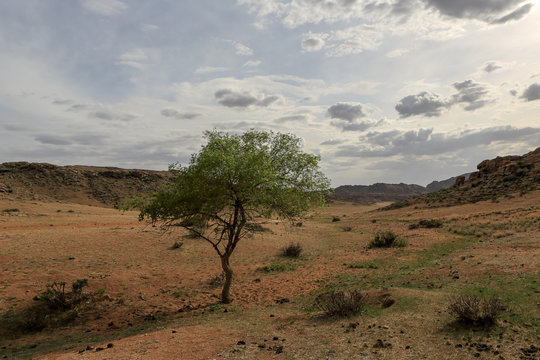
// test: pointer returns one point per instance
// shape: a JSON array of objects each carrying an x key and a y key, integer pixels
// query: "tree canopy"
[{"x": 233, "y": 179}]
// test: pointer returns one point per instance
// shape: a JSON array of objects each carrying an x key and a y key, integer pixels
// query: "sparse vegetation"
[
  {"x": 341, "y": 303},
  {"x": 474, "y": 310},
  {"x": 347, "y": 228},
  {"x": 426, "y": 224},
  {"x": 276, "y": 268},
  {"x": 13, "y": 210},
  {"x": 363, "y": 265},
  {"x": 385, "y": 240},
  {"x": 216, "y": 280},
  {"x": 336, "y": 218},
  {"x": 292, "y": 250}
]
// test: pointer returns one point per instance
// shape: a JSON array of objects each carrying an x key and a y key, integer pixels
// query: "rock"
[{"x": 241, "y": 342}]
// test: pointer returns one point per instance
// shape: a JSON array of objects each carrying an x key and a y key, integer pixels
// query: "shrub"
[
  {"x": 217, "y": 280},
  {"x": 292, "y": 250},
  {"x": 427, "y": 224},
  {"x": 347, "y": 228},
  {"x": 254, "y": 227},
  {"x": 55, "y": 296},
  {"x": 335, "y": 218},
  {"x": 341, "y": 303},
  {"x": 385, "y": 240},
  {"x": 177, "y": 245},
  {"x": 471, "y": 309},
  {"x": 53, "y": 308},
  {"x": 10, "y": 210}
]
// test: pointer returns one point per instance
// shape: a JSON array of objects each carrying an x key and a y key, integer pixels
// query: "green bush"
[
  {"x": 385, "y": 240},
  {"x": 177, "y": 245},
  {"x": 276, "y": 268},
  {"x": 426, "y": 224}
]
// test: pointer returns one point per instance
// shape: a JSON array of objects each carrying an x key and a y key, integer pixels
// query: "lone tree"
[{"x": 232, "y": 180}]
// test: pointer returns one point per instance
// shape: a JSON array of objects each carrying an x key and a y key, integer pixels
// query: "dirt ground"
[{"x": 160, "y": 303}]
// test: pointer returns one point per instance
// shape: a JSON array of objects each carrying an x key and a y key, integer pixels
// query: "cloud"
[
  {"x": 531, "y": 93},
  {"x": 426, "y": 142},
  {"x": 354, "y": 126},
  {"x": 397, "y": 53},
  {"x": 424, "y": 103},
  {"x": 179, "y": 115},
  {"x": 291, "y": 118},
  {"x": 252, "y": 63},
  {"x": 472, "y": 95},
  {"x": 491, "y": 67},
  {"x": 346, "y": 111},
  {"x": 313, "y": 42},
  {"x": 242, "y": 49},
  {"x": 209, "y": 69},
  {"x": 52, "y": 140},
  {"x": 352, "y": 40},
  {"x": 514, "y": 15},
  {"x": 233, "y": 99},
  {"x": 474, "y": 9},
  {"x": 135, "y": 58},
  {"x": 332, "y": 142},
  {"x": 62, "y": 102},
  {"x": 111, "y": 115},
  {"x": 104, "y": 7}
]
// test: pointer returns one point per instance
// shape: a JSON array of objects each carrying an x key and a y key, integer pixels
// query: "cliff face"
[
  {"x": 102, "y": 186},
  {"x": 502, "y": 176}
]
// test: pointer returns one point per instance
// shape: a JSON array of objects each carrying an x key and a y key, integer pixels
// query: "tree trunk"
[{"x": 225, "y": 293}]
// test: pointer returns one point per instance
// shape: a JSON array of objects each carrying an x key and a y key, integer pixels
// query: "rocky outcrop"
[{"x": 103, "y": 186}]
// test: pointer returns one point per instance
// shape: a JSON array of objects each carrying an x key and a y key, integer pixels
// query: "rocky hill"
[
  {"x": 376, "y": 192},
  {"x": 502, "y": 176},
  {"x": 102, "y": 186}
]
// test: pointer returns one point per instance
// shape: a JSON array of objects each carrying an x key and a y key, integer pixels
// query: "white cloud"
[
  {"x": 242, "y": 49},
  {"x": 104, "y": 7},
  {"x": 210, "y": 69},
  {"x": 397, "y": 53},
  {"x": 252, "y": 63},
  {"x": 135, "y": 58}
]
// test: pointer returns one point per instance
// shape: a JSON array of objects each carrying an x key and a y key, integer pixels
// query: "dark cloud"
[
  {"x": 12, "y": 127},
  {"x": 79, "y": 107},
  {"x": 425, "y": 142},
  {"x": 348, "y": 112},
  {"x": 532, "y": 92},
  {"x": 89, "y": 139},
  {"x": 475, "y": 9},
  {"x": 472, "y": 94},
  {"x": 312, "y": 44},
  {"x": 292, "y": 118},
  {"x": 62, "y": 102},
  {"x": 513, "y": 92},
  {"x": 404, "y": 7},
  {"x": 424, "y": 103},
  {"x": 514, "y": 15},
  {"x": 52, "y": 140},
  {"x": 110, "y": 115},
  {"x": 179, "y": 115},
  {"x": 491, "y": 67},
  {"x": 233, "y": 99}
]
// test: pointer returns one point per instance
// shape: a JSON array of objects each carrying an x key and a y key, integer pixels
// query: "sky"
[{"x": 383, "y": 90}]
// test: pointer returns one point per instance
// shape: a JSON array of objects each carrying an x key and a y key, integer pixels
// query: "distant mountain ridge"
[{"x": 381, "y": 192}]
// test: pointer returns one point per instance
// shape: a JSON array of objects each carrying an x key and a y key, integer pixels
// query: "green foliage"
[
  {"x": 232, "y": 180},
  {"x": 385, "y": 240},
  {"x": 177, "y": 245},
  {"x": 275, "y": 268}
]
